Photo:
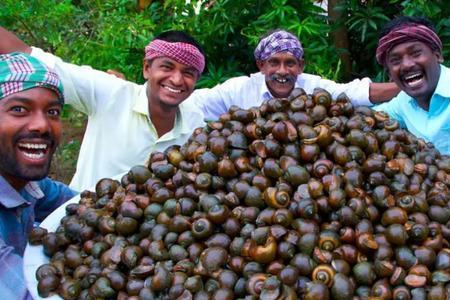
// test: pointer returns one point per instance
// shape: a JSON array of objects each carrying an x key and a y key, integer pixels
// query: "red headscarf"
[
  {"x": 183, "y": 53},
  {"x": 407, "y": 33}
]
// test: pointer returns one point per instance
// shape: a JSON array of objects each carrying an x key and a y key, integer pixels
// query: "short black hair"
[
  {"x": 405, "y": 20},
  {"x": 176, "y": 36}
]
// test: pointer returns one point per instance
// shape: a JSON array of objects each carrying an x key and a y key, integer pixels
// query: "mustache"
[
  {"x": 34, "y": 135},
  {"x": 289, "y": 78}
]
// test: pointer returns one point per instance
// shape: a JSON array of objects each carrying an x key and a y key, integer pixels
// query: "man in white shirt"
[
  {"x": 279, "y": 57},
  {"x": 128, "y": 121}
]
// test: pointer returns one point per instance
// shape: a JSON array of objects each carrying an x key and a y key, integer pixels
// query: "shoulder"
[
  {"x": 397, "y": 106},
  {"x": 191, "y": 112},
  {"x": 401, "y": 97},
  {"x": 309, "y": 81},
  {"x": 309, "y": 77},
  {"x": 52, "y": 188},
  {"x": 242, "y": 81}
]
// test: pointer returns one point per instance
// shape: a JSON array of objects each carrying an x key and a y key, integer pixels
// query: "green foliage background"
[{"x": 112, "y": 34}]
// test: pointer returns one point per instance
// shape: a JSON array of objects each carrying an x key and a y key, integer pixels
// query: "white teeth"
[
  {"x": 415, "y": 82},
  {"x": 412, "y": 76},
  {"x": 172, "y": 90},
  {"x": 33, "y": 146},
  {"x": 282, "y": 80},
  {"x": 34, "y": 155}
]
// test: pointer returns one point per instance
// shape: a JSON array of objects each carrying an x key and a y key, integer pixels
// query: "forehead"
[
  {"x": 408, "y": 46},
  {"x": 173, "y": 62},
  {"x": 35, "y": 96},
  {"x": 285, "y": 55}
]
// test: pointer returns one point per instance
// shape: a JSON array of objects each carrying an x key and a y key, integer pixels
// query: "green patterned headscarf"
[{"x": 20, "y": 72}]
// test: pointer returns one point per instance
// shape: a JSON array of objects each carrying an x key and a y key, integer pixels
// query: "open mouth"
[
  {"x": 172, "y": 90},
  {"x": 281, "y": 80},
  {"x": 414, "y": 79},
  {"x": 34, "y": 151},
  {"x": 287, "y": 79}
]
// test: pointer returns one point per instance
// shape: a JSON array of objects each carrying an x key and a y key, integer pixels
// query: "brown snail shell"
[
  {"x": 256, "y": 283},
  {"x": 324, "y": 274},
  {"x": 276, "y": 198}
]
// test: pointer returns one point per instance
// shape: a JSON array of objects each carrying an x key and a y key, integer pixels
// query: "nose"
[
  {"x": 39, "y": 123},
  {"x": 176, "y": 78},
  {"x": 283, "y": 70},
  {"x": 407, "y": 62}
]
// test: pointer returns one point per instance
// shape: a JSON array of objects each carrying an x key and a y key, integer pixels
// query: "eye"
[
  {"x": 18, "y": 109},
  {"x": 273, "y": 63},
  {"x": 166, "y": 67},
  {"x": 394, "y": 61},
  {"x": 290, "y": 64},
  {"x": 189, "y": 73},
  {"x": 416, "y": 53},
  {"x": 54, "y": 112}
]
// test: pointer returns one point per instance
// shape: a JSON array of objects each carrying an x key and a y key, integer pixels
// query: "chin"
[
  {"x": 34, "y": 173},
  {"x": 282, "y": 93},
  {"x": 415, "y": 93},
  {"x": 173, "y": 102}
]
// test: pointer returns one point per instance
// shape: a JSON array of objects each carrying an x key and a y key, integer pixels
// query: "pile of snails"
[{"x": 300, "y": 198}]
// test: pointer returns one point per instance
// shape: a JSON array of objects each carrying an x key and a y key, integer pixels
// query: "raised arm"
[
  {"x": 382, "y": 92},
  {"x": 9, "y": 42}
]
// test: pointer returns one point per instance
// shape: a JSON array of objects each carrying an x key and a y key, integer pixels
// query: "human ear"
[
  {"x": 301, "y": 64},
  {"x": 146, "y": 69},
  {"x": 439, "y": 56},
  {"x": 260, "y": 65}
]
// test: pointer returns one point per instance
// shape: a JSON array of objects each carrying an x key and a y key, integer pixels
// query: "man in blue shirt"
[
  {"x": 30, "y": 130},
  {"x": 411, "y": 52}
]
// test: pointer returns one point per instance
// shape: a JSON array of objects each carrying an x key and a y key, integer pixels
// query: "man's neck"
[
  {"x": 424, "y": 103},
  {"x": 163, "y": 118}
]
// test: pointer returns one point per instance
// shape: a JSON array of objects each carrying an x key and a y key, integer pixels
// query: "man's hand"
[
  {"x": 116, "y": 73},
  {"x": 382, "y": 92},
  {"x": 9, "y": 42}
]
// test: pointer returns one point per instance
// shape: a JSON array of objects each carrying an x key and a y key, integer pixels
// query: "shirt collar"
[
  {"x": 10, "y": 198},
  {"x": 181, "y": 120},
  {"x": 141, "y": 103},
  {"x": 140, "y": 106},
  {"x": 442, "y": 86}
]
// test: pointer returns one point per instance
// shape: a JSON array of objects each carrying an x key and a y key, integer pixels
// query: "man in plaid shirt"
[{"x": 31, "y": 100}]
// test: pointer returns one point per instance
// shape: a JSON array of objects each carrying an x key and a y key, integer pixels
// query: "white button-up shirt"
[
  {"x": 119, "y": 131},
  {"x": 246, "y": 92}
]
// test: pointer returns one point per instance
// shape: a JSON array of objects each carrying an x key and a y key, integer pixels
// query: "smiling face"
[
  {"x": 30, "y": 130},
  {"x": 414, "y": 67},
  {"x": 281, "y": 71},
  {"x": 169, "y": 82}
]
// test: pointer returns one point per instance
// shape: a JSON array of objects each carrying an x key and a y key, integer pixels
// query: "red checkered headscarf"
[
  {"x": 182, "y": 53},
  {"x": 407, "y": 33}
]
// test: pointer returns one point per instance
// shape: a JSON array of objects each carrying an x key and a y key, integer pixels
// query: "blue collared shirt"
[
  {"x": 18, "y": 211},
  {"x": 432, "y": 125}
]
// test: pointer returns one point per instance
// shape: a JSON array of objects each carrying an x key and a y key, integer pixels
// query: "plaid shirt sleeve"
[{"x": 12, "y": 281}]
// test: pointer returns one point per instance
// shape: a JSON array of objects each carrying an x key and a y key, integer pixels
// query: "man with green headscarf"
[{"x": 31, "y": 100}]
